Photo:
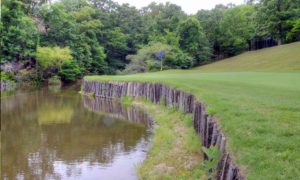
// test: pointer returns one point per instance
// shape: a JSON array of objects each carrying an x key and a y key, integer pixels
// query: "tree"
[
  {"x": 273, "y": 17},
  {"x": 100, "y": 34},
  {"x": 237, "y": 28},
  {"x": 79, "y": 29},
  {"x": 162, "y": 19},
  {"x": 19, "y": 32},
  {"x": 294, "y": 34},
  {"x": 211, "y": 23},
  {"x": 115, "y": 43},
  {"x": 70, "y": 71},
  {"x": 53, "y": 56},
  {"x": 89, "y": 47},
  {"x": 146, "y": 58},
  {"x": 193, "y": 40},
  {"x": 122, "y": 33}
]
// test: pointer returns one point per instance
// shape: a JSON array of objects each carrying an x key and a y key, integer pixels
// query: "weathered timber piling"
[{"x": 204, "y": 124}]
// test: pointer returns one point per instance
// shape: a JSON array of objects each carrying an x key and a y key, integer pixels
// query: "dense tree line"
[{"x": 71, "y": 38}]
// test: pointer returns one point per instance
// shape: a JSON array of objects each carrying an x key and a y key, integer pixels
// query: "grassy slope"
[
  {"x": 259, "y": 111},
  {"x": 280, "y": 58}
]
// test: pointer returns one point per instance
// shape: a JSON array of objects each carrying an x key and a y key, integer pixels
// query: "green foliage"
[
  {"x": 70, "y": 71},
  {"x": 54, "y": 81},
  {"x": 193, "y": 40},
  {"x": 102, "y": 33},
  {"x": 273, "y": 17},
  {"x": 294, "y": 34},
  {"x": 18, "y": 32},
  {"x": 146, "y": 58},
  {"x": 162, "y": 18},
  {"x": 78, "y": 30},
  {"x": 7, "y": 76},
  {"x": 115, "y": 42},
  {"x": 210, "y": 164},
  {"x": 228, "y": 29},
  {"x": 210, "y": 21},
  {"x": 53, "y": 56},
  {"x": 28, "y": 75},
  {"x": 237, "y": 29},
  {"x": 179, "y": 60}
]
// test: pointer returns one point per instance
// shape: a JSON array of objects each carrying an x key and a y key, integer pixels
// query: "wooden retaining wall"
[{"x": 205, "y": 125}]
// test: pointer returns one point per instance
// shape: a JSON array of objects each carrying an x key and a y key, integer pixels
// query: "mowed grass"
[
  {"x": 259, "y": 111},
  {"x": 280, "y": 59},
  {"x": 176, "y": 149}
]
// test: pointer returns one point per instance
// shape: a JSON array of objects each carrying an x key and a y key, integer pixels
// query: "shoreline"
[{"x": 204, "y": 124}]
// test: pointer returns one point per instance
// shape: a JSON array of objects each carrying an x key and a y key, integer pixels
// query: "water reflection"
[
  {"x": 62, "y": 135},
  {"x": 115, "y": 109}
]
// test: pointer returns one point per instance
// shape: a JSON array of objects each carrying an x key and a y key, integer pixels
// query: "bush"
[
  {"x": 54, "y": 81},
  {"x": 7, "y": 76},
  {"x": 70, "y": 71},
  {"x": 179, "y": 60},
  {"x": 27, "y": 75},
  {"x": 53, "y": 56},
  {"x": 146, "y": 59},
  {"x": 135, "y": 67}
]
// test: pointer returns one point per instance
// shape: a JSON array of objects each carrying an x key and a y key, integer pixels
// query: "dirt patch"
[
  {"x": 180, "y": 129},
  {"x": 163, "y": 168}
]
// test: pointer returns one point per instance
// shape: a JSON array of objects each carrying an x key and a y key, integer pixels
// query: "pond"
[{"x": 60, "y": 134}]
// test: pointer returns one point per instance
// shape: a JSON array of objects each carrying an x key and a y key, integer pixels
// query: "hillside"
[
  {"x": 259, "y": 111},
  {"x": 279, "y": 58}
]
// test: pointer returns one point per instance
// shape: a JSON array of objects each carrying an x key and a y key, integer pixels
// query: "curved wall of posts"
[{"x": 205, "y": 125}]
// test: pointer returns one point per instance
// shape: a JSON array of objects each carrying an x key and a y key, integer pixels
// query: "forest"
[{"x": 67, "y": 39}]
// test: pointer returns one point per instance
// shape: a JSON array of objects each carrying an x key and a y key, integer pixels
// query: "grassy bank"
[
  {"x": 176, "y": 150},
  {"x": 279, "y": 59},
  {"x": 259, "y": 111}
]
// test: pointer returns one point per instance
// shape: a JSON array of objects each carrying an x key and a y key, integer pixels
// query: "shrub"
[
  {"x": 53, "y": 56},
  {"x": 54, "y": 81},
  {"x": 213, "y": 156},
  {"x": 7, "y": 76},
  {"x": 70, "y": 71},
  {"x": 146, "y": 59}
]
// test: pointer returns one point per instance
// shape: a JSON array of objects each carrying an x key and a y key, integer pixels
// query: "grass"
[
  {"x": 257, "y": 106},
  {"x": 279, "y": 59},
  {"x": 176, "y": 150}
]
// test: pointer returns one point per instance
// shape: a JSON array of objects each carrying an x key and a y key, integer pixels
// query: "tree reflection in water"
[{"x": 62, "y": 135}]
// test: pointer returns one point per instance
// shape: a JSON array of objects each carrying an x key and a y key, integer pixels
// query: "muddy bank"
[{"x": 204, "y": 124}]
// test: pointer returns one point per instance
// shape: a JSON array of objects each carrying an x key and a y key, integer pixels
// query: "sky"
[{"x": 189, "y": 6}]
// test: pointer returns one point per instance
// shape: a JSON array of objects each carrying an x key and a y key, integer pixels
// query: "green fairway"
[{"x": 259, "y": 111}]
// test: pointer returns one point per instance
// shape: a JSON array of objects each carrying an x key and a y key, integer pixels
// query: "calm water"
[{"x": 59, "y": 134}]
